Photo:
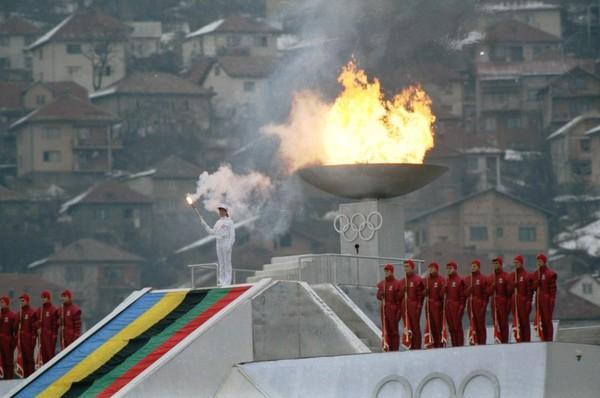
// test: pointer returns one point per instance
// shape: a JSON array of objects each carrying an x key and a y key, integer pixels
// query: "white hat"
[{"x": 223, "y": 206}]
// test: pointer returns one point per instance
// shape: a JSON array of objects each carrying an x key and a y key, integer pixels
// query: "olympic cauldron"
[{"x": 373, "y": 225}]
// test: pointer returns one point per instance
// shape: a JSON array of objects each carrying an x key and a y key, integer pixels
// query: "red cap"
[
  {"x": 476, "y": 262},
  {"x": 498, "y": 259},
  {"x": 519, "y": 259},
  {"x": 452, "y": 264},
  {"x": 67, "y": 293},
  {"x": 6, "y": 299},
  {"x": 46, "y": 294},
  {"x": 25, "y": 297},
  {"x": 435, "y": 265},
  {"x": 411, "y": 263},
  {"x": 542, "y": 257}
]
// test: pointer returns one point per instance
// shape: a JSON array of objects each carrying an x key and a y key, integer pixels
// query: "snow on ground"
[
  {"x": 576, "y": 198},
  {"x": 586, "y": 238}
]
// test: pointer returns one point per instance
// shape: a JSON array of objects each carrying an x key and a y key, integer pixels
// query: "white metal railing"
[
  {"x": 215, "y": 267},
  {"x": 332, "y": 262}
]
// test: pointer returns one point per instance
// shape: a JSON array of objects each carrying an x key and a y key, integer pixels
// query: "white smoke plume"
[{"x": 245, "y": 194}]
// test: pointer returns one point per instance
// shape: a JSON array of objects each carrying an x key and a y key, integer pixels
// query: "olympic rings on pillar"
[{"x": 358, "y": 226}]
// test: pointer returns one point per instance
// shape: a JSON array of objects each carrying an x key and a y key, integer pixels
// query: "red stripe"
[{"x": 177, "y": 337}]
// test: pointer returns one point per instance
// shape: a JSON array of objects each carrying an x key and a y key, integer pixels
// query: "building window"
[
  {"x": 285, "y": 240},
  {"x": 587, "y": 288},
  {"x": 108, "y": 71},
  {"x": 73, "y": 274},
  {"x": 101, "y": 214},
  {"x": 584, "y": 144},
  {"x": 128, "y": 213},
  {"x": 478, "y": 233},
  {"x": 472, "y": 164},
  {"x": 513, "y": 122},
  {"x": 516, "y": 53},
  {"x": 83, "y": 134},
  {"x": 4, "y": 63},
  {"x": 40, "y": 100},
  {"x": 4, "y": 41},
  {"x": 28, "y": 63},
  {"x": 73, "y": 71},
  {"x": 249, "y": 87},
  {"x": 73, "y": 48},
  {"x": 217, "y": 70},
  {"x": 582, "y": 167},
  {"x": 261, "y": 41},
  {"x": 489, "y": 123},
  {"x": 51, "y": 133},
  {"x": 532, "y": 95},
  {"x": 527, "y": 234},
  {"x": 233, "y": 41},
  {"x": 579, "y": 83},
  {"x": 52, "y": 156},
  {"x": 28, "y": 40},
  {"x": 41, "y": 53},
  {"x": 499, "y": 232},
  {"x": 186, "y": 105}
]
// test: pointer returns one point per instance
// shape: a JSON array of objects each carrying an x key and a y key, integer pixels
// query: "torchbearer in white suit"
[{"x": 224, "y": 231}]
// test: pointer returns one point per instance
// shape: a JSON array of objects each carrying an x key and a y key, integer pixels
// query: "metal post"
[{"x": 193, "y": 279}]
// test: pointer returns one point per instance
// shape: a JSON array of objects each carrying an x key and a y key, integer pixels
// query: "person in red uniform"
[
  {"x": 47, "y": 327},
  {"x": 455, "y": 305},
  {"x": 26, "y": 335},
  {"x": 477, "y": 299},
  {"x": 500, "y": 298},
  {"x": 434, "y": 294},
  {"x": 388, "y": 292},
  {"x": 70, "y": 320},
  {"x": 544, "y": 284},
  {"x": 8, "y": 334},
  {"x": 521, "y": 288},
  {"x": 411, "y": 288}
]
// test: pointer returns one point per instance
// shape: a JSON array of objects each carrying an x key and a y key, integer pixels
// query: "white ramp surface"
[{"x": 534, "y": 370}]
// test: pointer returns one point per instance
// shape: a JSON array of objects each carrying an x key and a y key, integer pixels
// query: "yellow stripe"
[{"x": 99, "y": 357}]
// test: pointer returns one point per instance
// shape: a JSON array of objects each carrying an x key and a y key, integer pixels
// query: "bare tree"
[{"x": 101, "y": 52}]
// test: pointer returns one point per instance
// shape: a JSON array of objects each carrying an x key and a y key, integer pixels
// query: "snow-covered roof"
[
  {"x": 519, "y": 6},
  {"x": 511, "y": 154},
  {"x": 478, "y": 150},
  {"x": 576, "y": 198},
  {"x": 575, "y": 121},
  {"x": 144, "y": 173},
  {"x": 72, "y": 202},
  {"x": 472, "y": 37},
  {"x": 593, "y": 130},
  {"x": 586, "y": 238},
  {"x": 48, "y": 35},
  {"x": 146, "y": 29},
  {"x": 211, "y": 27},
  {"x": 207, "y": 239},
  {"x": 37, "y": 263}
]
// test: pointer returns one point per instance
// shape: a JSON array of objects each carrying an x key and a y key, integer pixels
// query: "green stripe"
[{"x": 99, "y": 385}]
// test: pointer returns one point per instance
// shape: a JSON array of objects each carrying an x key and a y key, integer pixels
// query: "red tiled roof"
[
  {"x": 199, "y": 70},
  {"x": 11, "y": 95},
  {"x": 153, "y": 83},
  {"x": 13, "y": 285},
  {"x": 113, "y": 192},
  {"x": 68, "y": 108},
  {"x": 85, "y": 25},
  {"x": 88, "y": 250},
  {"x": 175, "y": 167},
  {"x": 242, "y": 66},
  {"x": 514, "y": 31},
  {"x": 6, "y": 195},
  {"x": 18, "y": 26},
  {"x": 63, "y": 88}
]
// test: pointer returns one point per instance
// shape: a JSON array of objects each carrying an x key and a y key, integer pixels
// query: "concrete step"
[
  {"x": 285, "y": 259},
  {"x": 276, "y": 266}
]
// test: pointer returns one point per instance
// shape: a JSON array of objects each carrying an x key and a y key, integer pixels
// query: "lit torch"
[{"x": 191, "y": 202}]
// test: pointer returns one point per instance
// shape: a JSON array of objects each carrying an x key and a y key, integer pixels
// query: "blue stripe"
[{"x": 88, "y": 346}]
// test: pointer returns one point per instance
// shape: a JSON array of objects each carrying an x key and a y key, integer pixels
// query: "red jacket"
[
  {"x": 27, "y": 324},
  {"x": 48, "y": 319},
  {"x": 499, "y": 282},
  {"x": 435, "y": 286},
  {"x": 8, "y": 323},
  {"x": 477, "y": 286},
  {"x": 412, "y": 285},
  {"x": 70, "y": 319},
  {"x": 524, "y": 285},
  {"x": 455, "y": 289},
  {"x": 545, "y": 280}
]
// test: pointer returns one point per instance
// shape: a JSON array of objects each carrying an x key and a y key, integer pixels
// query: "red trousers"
[
  {"x": 27, "y": 348},
  {"x": 524, "y": 308},
  {"x": 435, "y": 322},
  {"x": 7, "y": 349},
  {"x": 546, "y": 310},
  {"x": 478, "y": 312},
  {"x": 500, "y": 313},
  {"x": 390, "y": 327},
  {"x": 454, "y": 315},
  {"x": 414, "y": 317},
  {"x": 48, "y": 346}
]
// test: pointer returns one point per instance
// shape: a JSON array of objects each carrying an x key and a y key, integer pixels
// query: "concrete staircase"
[
  {"x": 280, "y": 268},
  {"x": 350, "y": 314}
]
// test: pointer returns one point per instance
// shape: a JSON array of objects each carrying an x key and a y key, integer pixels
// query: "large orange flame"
[{"x": 361, "y": 126}]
